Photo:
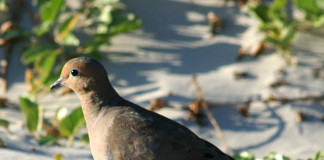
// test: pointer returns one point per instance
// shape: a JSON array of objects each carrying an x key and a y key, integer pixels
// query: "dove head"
[{"x": 83, "y": 75}]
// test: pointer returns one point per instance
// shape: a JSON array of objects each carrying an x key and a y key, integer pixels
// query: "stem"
[
  {"x": 210, "y": 115},
  {"x": 70, "y": 141}
]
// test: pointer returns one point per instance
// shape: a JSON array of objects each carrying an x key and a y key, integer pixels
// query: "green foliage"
[
  {"x": 274, "y": 156},
  {"x": 85, "y": 138},
  {"x": 279, "y": 30},
  {"x": 58, "y": 156},
  {"x": 314, "y": 11},
  {"x": 68, "y": 125},
  {"x": 13, "y": 34},
  {"x": 319, "y": 155},
  {"x": 48, "y": 140},
  {"x": 71, "y": 124},
  {"x": 5, "y": 124},
  {"x": 274, "y": 23},
  {"x": 33, "y": 113},
  {"x": 57, "y": 36},
  {"x": 244, "y": 156}
]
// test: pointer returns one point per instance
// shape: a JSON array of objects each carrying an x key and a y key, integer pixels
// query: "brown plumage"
[{"x": 121, "y": 130}]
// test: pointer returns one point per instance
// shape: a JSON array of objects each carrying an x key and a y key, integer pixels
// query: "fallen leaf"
[
  {"x": 196, "y": 112},
  {"x": 300, "y": 116},
  {"x": 243, "y": 109},
  {"x": 156, "y": 104}
]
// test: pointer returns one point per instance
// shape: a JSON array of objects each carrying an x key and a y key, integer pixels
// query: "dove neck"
[{"x": 93, "y": 101}]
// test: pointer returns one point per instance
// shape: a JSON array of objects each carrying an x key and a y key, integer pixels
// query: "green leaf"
[
  {"x": 85, "y": 138},
  {"x": 275, "y": 156},
  {"x": 287, "y": 35},
  {"x": 14, "y": 33},
  {"x": 318, "y": 21},
  {"x": 61, "y": 113},
  {"x": 260, "y": 12},
  {"x": 66, "y": 27},
  {"x": 72, "y": 123},
  {"x": 105, "y": 15},
  {"x": 48, "y": 140},
  {"x": 244, "y": 156},
  {"x": 279, "y": 5},
  {"x": 33, "y": 114},
  {"x": 320, "y": 4},
  {"x": 70, "y": 40},
  {"x": 46, "y": 64},
  {"x": 308, "y": 5},
  {"x": 3, "y": 5},
  {"x": 32, "y": 54},
  {"x": 50, "y": 10},
  {"x": 58, "y": 156},
  {"x": 42, "y": 29},
  {"x": 319, "y": 155},
  {"x": 124, "y": 23},
  {"x": 5, "y": 124}
]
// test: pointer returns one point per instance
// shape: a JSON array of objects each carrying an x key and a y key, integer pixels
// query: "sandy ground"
[{"x": 162, "y": 57}]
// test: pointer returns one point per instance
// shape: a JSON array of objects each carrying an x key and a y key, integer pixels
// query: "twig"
[{"x": 209, "y": 114}]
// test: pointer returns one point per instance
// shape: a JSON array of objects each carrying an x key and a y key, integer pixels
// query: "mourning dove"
[{"x": 121, "y": 130}]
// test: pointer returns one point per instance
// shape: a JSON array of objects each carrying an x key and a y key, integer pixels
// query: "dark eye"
[{"x": 74, "y": 72}]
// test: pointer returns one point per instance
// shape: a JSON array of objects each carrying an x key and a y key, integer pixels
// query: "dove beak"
[{"x": 57, "y": 83}]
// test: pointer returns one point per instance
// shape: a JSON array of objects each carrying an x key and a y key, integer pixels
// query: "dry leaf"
[
  {"x": 280, "y": 82},
  {"x": 196, "y": 112},
  {"x": 241, "y": 75},
  {"x": 214, "y": 22},
  {"x": 243, "y": 109},
  {"x": 261, "y": 47},
  {"x": 50, "y": 129},
  {"x": 300, "y": 116},
  {"x": 3, "y": 101},
  {"x": 6, "y": 26},
  {"x": 156, "y": 104},
  {"x": 2, "y": 144}
]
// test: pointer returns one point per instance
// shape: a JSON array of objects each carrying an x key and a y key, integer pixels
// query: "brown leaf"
[
  {"x": 156, "y": 104},
  {"x": 51, "y": 129},
  {"x": 300, "y": 116},
  {"x": 242, "y": 53},
  {"x": 278, "y": 83},
  {"x": 259, "y": 49},
  {"x": 3, "y": 101},
  {"x": 2, "y": 144},
  {"x": 196, "y": 111},
  {"x": 6, "y": 26},
  {"x": 243, "y": 109},
  {"x": 215, "y": 23}
]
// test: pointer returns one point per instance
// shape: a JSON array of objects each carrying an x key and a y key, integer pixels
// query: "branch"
[{"x": 209, "y": 114}]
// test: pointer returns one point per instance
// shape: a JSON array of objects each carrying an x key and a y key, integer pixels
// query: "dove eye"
[{"x": 74, "y": 72}]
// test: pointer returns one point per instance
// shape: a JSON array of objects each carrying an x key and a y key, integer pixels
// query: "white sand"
[{"x": 163, "y": 56}]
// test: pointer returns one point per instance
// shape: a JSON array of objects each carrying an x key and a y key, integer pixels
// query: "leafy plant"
[
  {"x": 313, "y": 11},
  {"x": 280, "y": 30},
  {"x": 274, "y": 156},
  {"x": 61, "y": 125},
  {"x": 5, "y": 124},
  {"x": 71, "y": 125},
  {"x": 58, "y": 156},
  {"x": 33, "y": 113},
  {"x": 64, "y": 32},
  {"x": 244, "y": 156}
]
